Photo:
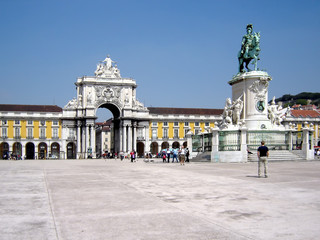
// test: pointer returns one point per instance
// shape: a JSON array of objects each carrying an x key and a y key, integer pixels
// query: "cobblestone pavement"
[{"x": 112, "y": 199}]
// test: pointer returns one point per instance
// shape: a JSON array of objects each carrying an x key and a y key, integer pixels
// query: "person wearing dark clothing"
[
  {"x": 187, "y": 155},
  {"x": 263, "y": 154}
]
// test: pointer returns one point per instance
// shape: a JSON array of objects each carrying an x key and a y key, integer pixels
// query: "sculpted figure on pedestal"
[
  {"x": 237, "y": 110},
  {"x": 227, "y": 112},
  {"x": 232, "y": 112},
  {"x": 72, "y": 103},
  {"x": 276, "y": 113},
  {"x": 250, "y": 49},
  {"x": 106, "y": 70},
  {"x": 108, "y": 62}
]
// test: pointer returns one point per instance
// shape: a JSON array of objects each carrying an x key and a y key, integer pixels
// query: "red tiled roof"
[
  {"x": 305, "y": 113},
  {"x": 29, "y": 108},
  {"x": 187, "y": 111}
]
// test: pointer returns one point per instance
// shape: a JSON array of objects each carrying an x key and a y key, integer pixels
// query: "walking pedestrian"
[{"x": 263, "y": 154}]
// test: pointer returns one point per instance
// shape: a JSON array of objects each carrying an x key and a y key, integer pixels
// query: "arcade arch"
[
  {"x": 154, "y": 148},
  {"x": 164, "y": 145},
  {"x": 30, "y": 150},
  {"x": 4, "y": 150},
  {"x": 42, "y": 150}
]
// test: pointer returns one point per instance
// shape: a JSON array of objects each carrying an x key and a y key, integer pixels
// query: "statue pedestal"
[{"x": 252, "y": 88}]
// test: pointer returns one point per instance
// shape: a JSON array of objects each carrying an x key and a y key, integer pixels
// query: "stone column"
[
  {"x": 316, "y": 129},
  {"x": 290, "y": 139},
  {"x": 129, "y": 137},
  {"x": 78, "y": 140},
  {"x": 93, "y": 140},
  {"x": 147, "y": 138},
  {"x": 83, "y": 141},
  {"x": 243, "y": 147},
  {"x": 215, "y": 145},
  {"x": 308, "y": 153},
  {"x": 87, "y": 141},
  {"x": 124, "y": 138},
  {"x": 135, "y": 136},
  {"x": 189, "y": 141}
]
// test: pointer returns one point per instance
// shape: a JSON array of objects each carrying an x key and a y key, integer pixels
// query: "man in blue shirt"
[{"x": 263, "y": 154}]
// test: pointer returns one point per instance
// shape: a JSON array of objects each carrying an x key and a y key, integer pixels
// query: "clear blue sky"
[{"x": 181, "y": 53}]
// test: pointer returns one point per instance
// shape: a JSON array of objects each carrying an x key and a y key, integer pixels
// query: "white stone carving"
[
  {"x": 232, "y": 112},
  {"x": 276, "y": 113},
  {"x": 260, "y": 88},
  {"x": 89, "y": 98},
  {"x": 71, "y": 104},
  {"x": 138, "y": 105},
  {"x": 237, "y": 107},
  {"x": 227, "y": 112},
  {"x": 108, "y": 94},
  {"x": 80, "y": 100},
  {"x": 105, "y": 69}
]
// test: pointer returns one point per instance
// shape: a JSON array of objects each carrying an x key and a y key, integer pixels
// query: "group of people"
[
  {"x": 8, "y": 156},
  {"x": 178, "y": 154}
]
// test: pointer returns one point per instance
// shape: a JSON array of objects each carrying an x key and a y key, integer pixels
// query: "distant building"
[
  {"x": 30, "y": 131},
  {"x": 104, "y": 137},
  {"x": 35, "y": 131}
]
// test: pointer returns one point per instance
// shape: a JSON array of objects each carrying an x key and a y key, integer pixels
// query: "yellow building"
[
  {"x": 30, "y": 131},
  {"x": 169, "y": 126}
]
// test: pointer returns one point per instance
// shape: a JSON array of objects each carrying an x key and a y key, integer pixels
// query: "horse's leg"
[{"x": 247, "y": 65}]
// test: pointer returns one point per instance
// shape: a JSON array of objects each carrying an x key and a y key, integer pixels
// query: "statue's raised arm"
[{"x": 250, "y": 49}]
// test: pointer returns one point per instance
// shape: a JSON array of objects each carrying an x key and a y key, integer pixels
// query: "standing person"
[
  {"x": 168, "y": 154},
  {"x": 187, "y": 155},
  {"x": 121, "y": 155},
  {"x": 263, "y": 154},
  {"x": 175, "y": 155},
  {"x": 164, "y": 155},
  {"x": 133, "y": 156},
  {"x": 182, "y": 155}
]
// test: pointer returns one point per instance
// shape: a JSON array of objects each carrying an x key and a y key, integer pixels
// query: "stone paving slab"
[{"x": 112, "y": 199}]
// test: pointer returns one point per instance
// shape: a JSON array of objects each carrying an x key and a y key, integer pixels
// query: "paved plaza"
[{"x": 113, "y": 199}]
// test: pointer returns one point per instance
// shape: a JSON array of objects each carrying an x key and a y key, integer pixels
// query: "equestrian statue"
[{"x": 250, "y": 49}]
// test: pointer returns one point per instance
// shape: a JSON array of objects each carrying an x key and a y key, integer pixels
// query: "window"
[
  {"x": 165, "y": 133},
  {"x": 154, "y": 133},
  {"x": 55, "y": 123},
  {"x": 30, "y": 133},
  {"x": 207, "y": 124},
  {"x": 186, "y": 124},
  {"x": 17, "y": 132},
  {"x": 106, "y": 139},
  {"x": 30, "y": 122},
  {"x": 176, "y": 124},
  {"x": 42, "y": 122},
  {"x": 4, "y": 122},
  {"x": 196, "y": 131},
  {"x": 185, "y": 132},
  {"x": 196, "y": 124},
  {"x": 42, "y": 133},
  {"x": 140, "y": 132},
  {"x": 4, "y": 132},
  {"x": 176, "y": 133},
  {"x": 154, "y": 124},
  {"x": 165, "y": 124},
  {"x": 16, "y": 122},
  {"x": 55, "y": 133}
]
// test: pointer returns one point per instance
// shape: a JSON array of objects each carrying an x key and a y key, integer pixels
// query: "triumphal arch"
[{"x": 107, "y": 89}]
